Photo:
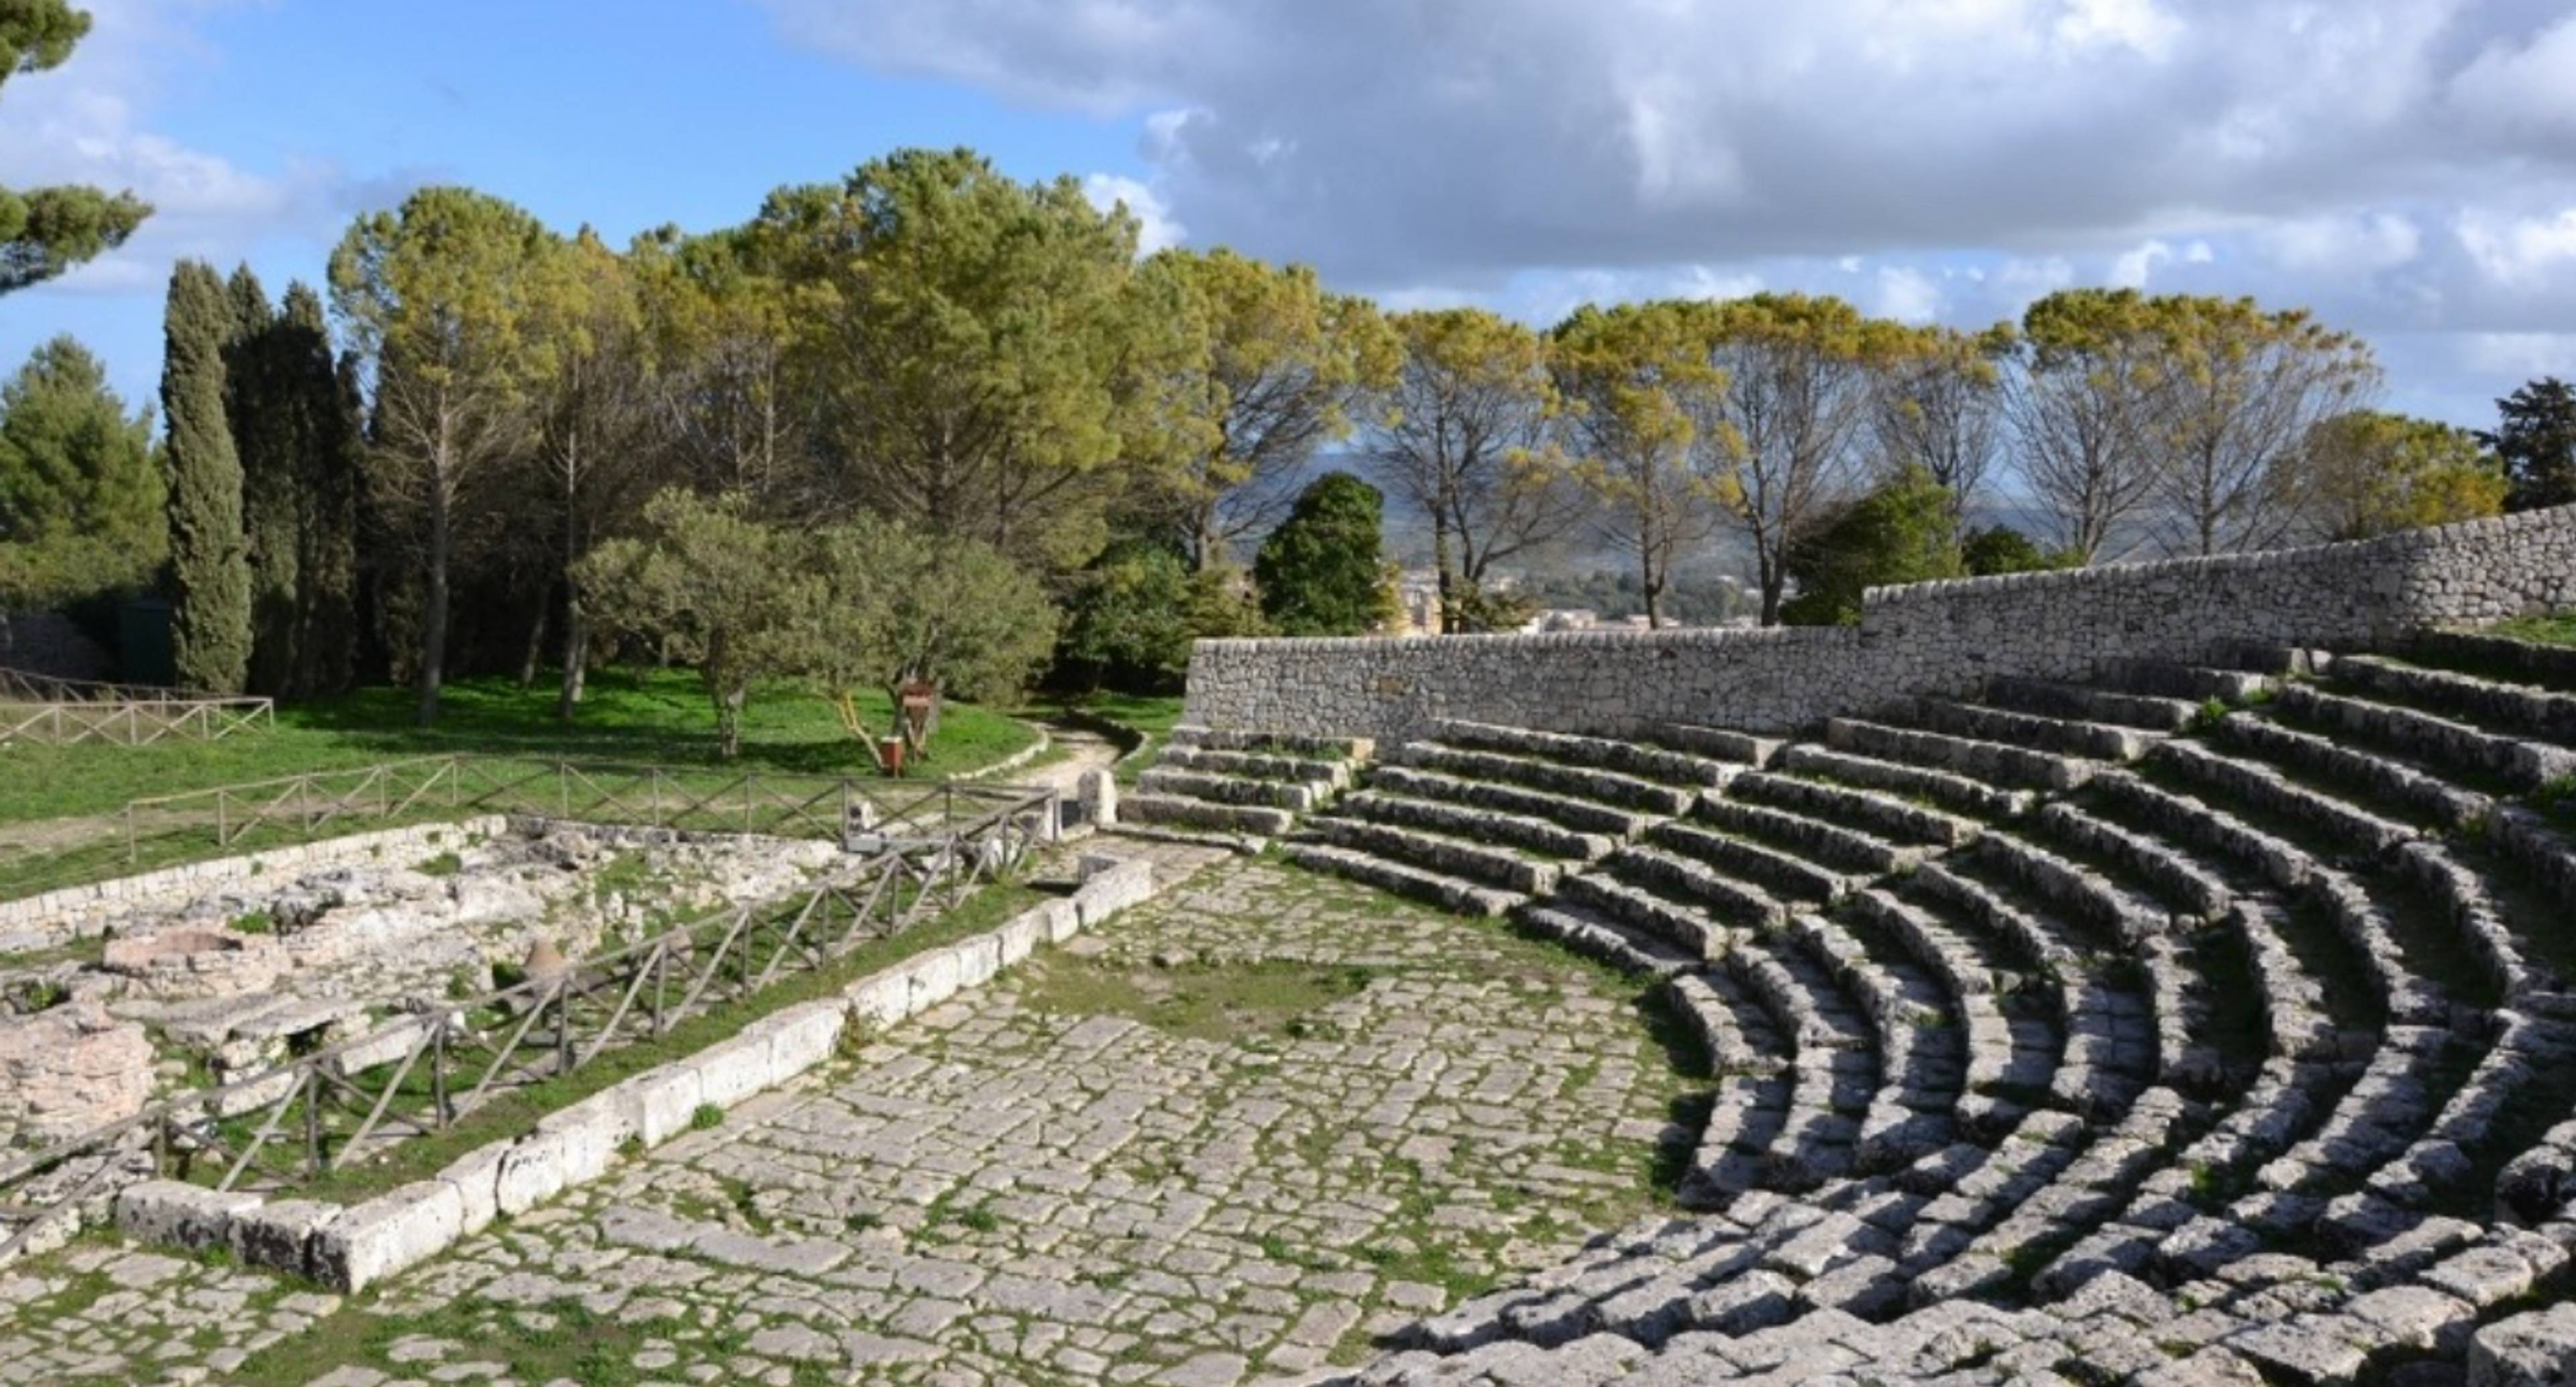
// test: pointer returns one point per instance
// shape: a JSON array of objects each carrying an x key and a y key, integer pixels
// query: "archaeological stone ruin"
[{"x": 2157, "y": 974}]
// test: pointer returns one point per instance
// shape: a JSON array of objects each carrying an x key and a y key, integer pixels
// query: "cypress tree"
[
  {"x": 322, "y": 402},
  {"x": 1322, "y": 572},
  {"x": 260, "y": 409},
  {"x": 209, "y": 562}
]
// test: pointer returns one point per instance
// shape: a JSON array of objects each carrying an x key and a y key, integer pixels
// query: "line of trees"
[{"x": 965, "y": 376}]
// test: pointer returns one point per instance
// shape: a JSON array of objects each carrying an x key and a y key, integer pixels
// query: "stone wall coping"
[
  {"x": 351, "y": 1247},
  {"x": 1939, "y": 639}
]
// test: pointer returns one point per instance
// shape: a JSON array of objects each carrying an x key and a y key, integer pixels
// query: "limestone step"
[
  {"x": 2096, "y": 740},
  {"x": 1733, "y": 900},
  {"x": 1228, "y": 789},
  {"x": 1468, "y": 821},
  {"x": 1638, "y": 759},
  {"x": 1274, "y": 743},
  {"x": 2502, "y": 657},
  {"x": 1883, "y": 815},
  {"x": 1258, "y": 765},
  {"x": 2173, "y": 874},
  {"x": 1958, "y": 793},
  {"x": 2270, "y": 792},
  {"x": 1993, "y": 762},
  {"x": 1580, "y": 782},
  {"x": 1829, "y": 844},
  {"x": 1464, "y": 897},
  {"x": 1188, "y": 812},
  {"x": 2427, "y": 795},
  {"x": 2076, "y": 889},
  {"x": 2080, "y": 703},
  {"x": 1785, "y": 874},
  {"x": 2424, "y": 738},
  {"x": 1578, "y": 815},
  {"x": 1445, "y": 856},
  {"x": 1613, "y": 941},
  {"x": 2516, "y": 709},
  {"x": 1684, "y": 928},
  {"x": 1719, "y": 743},
  {"x": 2193, "y": 683}
]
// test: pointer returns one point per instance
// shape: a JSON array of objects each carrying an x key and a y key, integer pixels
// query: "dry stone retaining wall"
[{"x": 1927, "y": 638}]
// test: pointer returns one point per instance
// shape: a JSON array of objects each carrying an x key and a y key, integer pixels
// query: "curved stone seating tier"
[
  {"x": 2088, "y": 703},
  {"x": 2511, "y": 709},
  {"x": 1957, "y": 793},
  {"x": 2429, "y": 796},
  {"x": 1578, "y": 815},
  {"x": 2100, "y": 741},
  {"x": 1252, "y": 783},
  {"x": 2075, "y": 890},
  {"x": 1555, "y": 777},
  {"x": 1994, "y": 762},
  {"x": 2425, "y": 738},
  {"x": 1257, "y": 765},
  {"x": 1500, "y": 867},
  {"x": 1865, "y": 811},
  {"x": 2197, "y": 684},
  {"x": 1543, "y": 837},
  {"x": 2107, "y": 1033},
  {"x": 2220, "y": 1029},
  {"x": 2525, "y": 662},
  {"x": 1601, "y": 753},
  {"x": 2358, "y": 830},
  {"x": 1782, "y": 873}
]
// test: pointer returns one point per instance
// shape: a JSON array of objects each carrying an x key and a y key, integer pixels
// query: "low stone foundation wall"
[
  {"x": 352, "y": 1247},
  {"x": 1927, "y": 638},
  {"x": 35, "y": 913}
]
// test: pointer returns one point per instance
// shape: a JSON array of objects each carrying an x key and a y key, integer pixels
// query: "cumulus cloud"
[
  {"x": 1155, "y": 229},
  {"x": 2404, "y": 166},
  {"x": 88, "y": 122}
]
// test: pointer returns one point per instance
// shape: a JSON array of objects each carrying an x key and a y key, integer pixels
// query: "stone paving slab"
[{"x": 1239, "y": 1134}]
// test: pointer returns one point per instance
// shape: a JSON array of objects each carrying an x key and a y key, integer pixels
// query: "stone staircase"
[
  {"x": 1245, "y": 786},
  {"x": 2187, "y": 1024}
]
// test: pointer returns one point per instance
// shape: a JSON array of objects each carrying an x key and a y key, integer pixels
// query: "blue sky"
[{"x": 2405, "y": 167}]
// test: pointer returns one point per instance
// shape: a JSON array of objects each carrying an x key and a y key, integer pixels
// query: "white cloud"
[
  {"x": 1906, "y": 294},
  {"x": 89, "y": 122},
  {"x": 2517, "y": 251},
  {"x": 2133, "y": 268},
  {"x": 2526, "y": 88},
  {"x": 1155, "y": 229}
]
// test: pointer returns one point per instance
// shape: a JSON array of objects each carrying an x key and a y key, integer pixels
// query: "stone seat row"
[{"x": 2104, "y": 1113}]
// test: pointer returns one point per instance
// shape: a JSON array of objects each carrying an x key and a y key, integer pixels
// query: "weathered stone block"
[
  {"x": 659, "y": 1104},
  {"x": 389, "y": 1233},
  {"x": 176, "y": 1214},
  {"x": 279, "y": 1234},
  {"x": 881, "y": 999}
]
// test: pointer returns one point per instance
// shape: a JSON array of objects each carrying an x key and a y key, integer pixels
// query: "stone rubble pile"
[{"x": 210, "y": 984}]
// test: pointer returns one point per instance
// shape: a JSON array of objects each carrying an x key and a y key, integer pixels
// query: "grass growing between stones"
[
  {"x": 1214, "y": 1001},
  {"x": 562, "y": 1341}
]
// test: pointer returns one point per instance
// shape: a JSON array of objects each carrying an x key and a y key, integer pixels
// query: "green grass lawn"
[
  {"x": 639, "y": 717},
  {"x": 2557, "y": 629}
]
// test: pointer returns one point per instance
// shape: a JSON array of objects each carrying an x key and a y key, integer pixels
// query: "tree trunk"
[
  {"x": 576, "y": 657},
  {"x": 1774, "y": 578},
  {"x": 1448, "y": 580},
  {"x": 433, "y": 616},
  {"x": 729, "y": 722},
  {"x": 536, "y": 647}
]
